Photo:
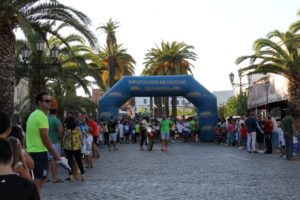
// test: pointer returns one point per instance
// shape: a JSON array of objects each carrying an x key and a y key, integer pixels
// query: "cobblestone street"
[{"x": 186, "y": 171}]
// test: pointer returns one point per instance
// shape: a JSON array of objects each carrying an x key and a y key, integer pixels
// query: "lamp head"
[
  {"x": 25, "y": 52},
  {"x": 249, "y": 77},
  {"x": 54, "y": 52},
  {"x": 40, "y": 45},
  {"x": 231, "y": 78}
]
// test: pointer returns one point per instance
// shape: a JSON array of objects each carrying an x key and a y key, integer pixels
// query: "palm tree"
[
  {"x": 29, "y": 16},
  {"x": 278, "y": 54},
  {"x": 69, "y": 72},
  {"x": 69, "y": 102},
  {"x": 111, "y": 42},
  {"x": 169, "y": 59},
  {"x": 76, "y": 65},
  {"x": 123, "y": 62}
]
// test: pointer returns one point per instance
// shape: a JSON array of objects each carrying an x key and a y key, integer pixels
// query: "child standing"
[
  {"x": 179, "y": 128},
  {"x": 121, "y": 131},
  {"x": 137, "y": 130},
  {"x": 89, "y": 150},
  {"x": 281, "y": 141},
  {"x": 218, "y": 135},
  {"x": 243, "y": 136}
]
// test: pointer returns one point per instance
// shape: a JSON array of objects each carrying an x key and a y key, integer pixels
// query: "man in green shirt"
[
  {"x": 37, "y": 139},
  {"x": 165, "y": 132},
  {"x": 55, "y": 133},
  {"x": 193, "y": 128},
  {"x": 288, "y": 128}
]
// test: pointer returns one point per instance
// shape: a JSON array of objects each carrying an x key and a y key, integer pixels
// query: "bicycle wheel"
[{"x": 150, "y": 143}]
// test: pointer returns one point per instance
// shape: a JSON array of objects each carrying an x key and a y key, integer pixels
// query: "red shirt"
[
  {"x": 243, "y": 132},
  {"x": 217, "y": 131},
  {"x": 268, "y": 126},
  {"x": 93, "y": 125}
]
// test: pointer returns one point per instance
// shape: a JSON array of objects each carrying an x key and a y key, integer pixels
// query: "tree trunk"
[
  {"x": 111, "y": 63},
  {"x": 151, "y": 107},
  {"x": 174, "y": 107},
  {"x": 159, "y": 107},
  {"x": 294, "y": 100},
  {"x": 33, "y": 91},
  {"x": 7, "y": 68},
  {"x": 167, "y": 111}
]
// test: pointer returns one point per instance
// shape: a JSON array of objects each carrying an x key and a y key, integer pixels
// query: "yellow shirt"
[{"x": 72, "y": 139}]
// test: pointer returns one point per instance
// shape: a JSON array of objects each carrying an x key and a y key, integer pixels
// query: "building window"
[{"x": 145, "y": 101}]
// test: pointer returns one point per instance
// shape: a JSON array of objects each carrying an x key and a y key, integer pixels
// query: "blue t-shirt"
[{"x": 251, "y": 124}]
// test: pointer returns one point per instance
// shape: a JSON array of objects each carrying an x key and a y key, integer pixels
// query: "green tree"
[
  {"x": 221, "y": 111},
  {"x": 30, "y": 16},
  {"x": 69, "y": 69},
  {"x": 278, "y": 54},
  {"x": 231, "y": 107},
  {"x": 111, "y": 43},
  {"x": 234, "y": 105},
  {"x": 76, "y": 65},
  {"x": 170, "y": 59},
  {"x": 123, "y": 63}
]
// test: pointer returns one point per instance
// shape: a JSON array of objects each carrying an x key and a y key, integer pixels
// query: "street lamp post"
[
  {"x": 240, "y": 85},
  {"x": 40, "y": 49},
  {"x": 25, "y": 53},
  {"x": 267, "y": 85}
]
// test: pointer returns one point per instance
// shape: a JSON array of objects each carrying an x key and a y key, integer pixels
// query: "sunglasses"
[{"x": 46, "y": 101}]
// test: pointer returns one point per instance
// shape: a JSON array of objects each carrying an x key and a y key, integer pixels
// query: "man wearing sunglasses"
[{"x": 37, "y": 139}]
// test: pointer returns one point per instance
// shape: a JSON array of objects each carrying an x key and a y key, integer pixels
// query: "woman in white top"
[{"x": 19, "y": 165}]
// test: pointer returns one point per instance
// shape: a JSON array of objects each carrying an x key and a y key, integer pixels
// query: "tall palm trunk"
[
  {"x": 174, "y": 106},
  {"x": 158, "y": 103},
  {"x": 167, "y": 111},
  {"x": 111, "y": 63},
  {"x": 151, "y": 107},
  {"x": 294, "y": 100},
  {"x": 7, "y": 67}
]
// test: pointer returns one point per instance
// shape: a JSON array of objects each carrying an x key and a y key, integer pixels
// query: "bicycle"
[{"x": 149, "y": 138}]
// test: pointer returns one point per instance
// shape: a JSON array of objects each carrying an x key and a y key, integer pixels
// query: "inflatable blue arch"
[{"x": 148, "y": 86}]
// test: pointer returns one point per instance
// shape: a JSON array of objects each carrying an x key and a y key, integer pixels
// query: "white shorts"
[
  {"x": 164, "y": 135},
  {"x": 121, "y": 133},
  {"x": 112, "y": 137},
  {"x": 57, "y": 148}
]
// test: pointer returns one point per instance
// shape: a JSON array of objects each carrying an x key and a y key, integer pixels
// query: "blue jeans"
[
  {"x": 288, "y": 147},
  {"x": 298, "y": 150},
  {"x": 275, "y": 140}
]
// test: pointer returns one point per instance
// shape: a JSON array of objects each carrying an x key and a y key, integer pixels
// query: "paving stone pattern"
[{"x": 187, "y": 171}]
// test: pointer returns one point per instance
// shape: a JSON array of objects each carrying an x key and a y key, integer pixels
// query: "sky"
[{"x": 219, "y": 30}]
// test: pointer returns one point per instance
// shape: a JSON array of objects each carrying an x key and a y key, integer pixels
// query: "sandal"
[{"x": 58, "y": 181}]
